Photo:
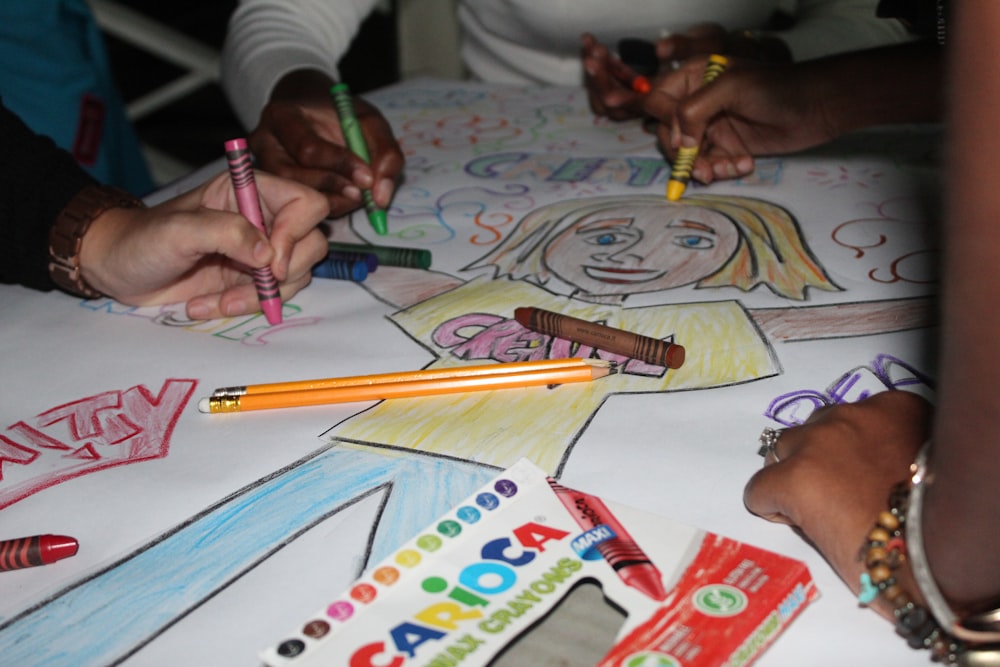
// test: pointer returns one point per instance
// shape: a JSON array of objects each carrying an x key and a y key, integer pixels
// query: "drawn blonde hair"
[{"x": 771, "y": 250}]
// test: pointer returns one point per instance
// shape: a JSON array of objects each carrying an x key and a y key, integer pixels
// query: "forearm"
[
  {"x": 890, "y": 85},
  {"x": 961, "y": 526},
  {"x": 267, "y": 39}
]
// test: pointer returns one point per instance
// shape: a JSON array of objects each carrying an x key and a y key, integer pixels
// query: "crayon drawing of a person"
[{"x": 605, "y": 249}]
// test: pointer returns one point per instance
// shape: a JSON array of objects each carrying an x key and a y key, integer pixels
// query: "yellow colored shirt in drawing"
[{"x": 474, "y": 324}]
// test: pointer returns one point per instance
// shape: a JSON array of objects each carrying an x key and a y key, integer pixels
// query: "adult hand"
[
  {"x": 830, "y": 477},
  {"x": 299, "y": 137},
  {"x": 747, "y": 111},
  {"x": 196, "y": 248}
]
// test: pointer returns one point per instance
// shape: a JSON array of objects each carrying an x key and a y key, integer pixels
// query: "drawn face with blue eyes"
[{"x": 641, "y": 248}]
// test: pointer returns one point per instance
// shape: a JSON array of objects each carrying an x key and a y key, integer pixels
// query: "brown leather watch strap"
[{"x": 66, "y": 235}]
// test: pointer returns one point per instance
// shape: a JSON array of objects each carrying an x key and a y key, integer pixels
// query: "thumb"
[{"x": 765, "y": 495}]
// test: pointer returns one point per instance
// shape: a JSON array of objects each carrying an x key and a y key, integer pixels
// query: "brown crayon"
[{"x": 609, "y": 339}]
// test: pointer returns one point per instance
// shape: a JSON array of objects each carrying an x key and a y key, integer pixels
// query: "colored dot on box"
[{"x": 341, "y": 610}]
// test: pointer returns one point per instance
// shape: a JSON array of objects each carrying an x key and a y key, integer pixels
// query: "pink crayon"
[{"x": 245, "y": 187}]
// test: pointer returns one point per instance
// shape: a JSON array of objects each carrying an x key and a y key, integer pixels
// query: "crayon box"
[{"x": 527, "y": 571}]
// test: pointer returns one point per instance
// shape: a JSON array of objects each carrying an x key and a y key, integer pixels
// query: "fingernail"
[
  {"x": 688, "y": 142},
  {"x": 351, "y": 192},
  {"x": 384, "y": 190},
  {"x": 261, "y": 252},
  {"x": 235, "y": 307},
  {"x": 362, "y": 178},
  {"x": 198, "y": 311}
]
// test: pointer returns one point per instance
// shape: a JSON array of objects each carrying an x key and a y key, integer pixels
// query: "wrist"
[
  {"x": 302, "y": 84},
  {"x": 70, "y": 265},
  {"x": 897, "y": 578}
]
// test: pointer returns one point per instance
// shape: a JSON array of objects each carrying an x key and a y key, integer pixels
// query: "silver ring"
[{"x": 768, "y": 441}]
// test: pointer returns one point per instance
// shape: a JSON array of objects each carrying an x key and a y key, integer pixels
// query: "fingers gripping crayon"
[
  {"x": 245, "y": 187},
  {"x": 356, "y": 142},
  {"x": 680, "y": 174}
]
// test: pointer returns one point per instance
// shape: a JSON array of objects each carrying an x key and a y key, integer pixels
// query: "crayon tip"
[
  {"x": 423, "y": 259},
  {"x": 237, "y": 144},
  {"x": 641, "y": 85},
  {"x": 675, "y": 356},
  {"x": 379, "y": 221},
  {"x": 675, "y": 189},
  {"x": 272, "y": 310},
  {"x": 57, "y": 547}
]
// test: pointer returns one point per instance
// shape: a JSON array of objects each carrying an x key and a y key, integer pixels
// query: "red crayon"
[
  {"x": 245, "y": 187},
  {"x": 32, "y": 551},
  {"x": 621, "y": 551}
]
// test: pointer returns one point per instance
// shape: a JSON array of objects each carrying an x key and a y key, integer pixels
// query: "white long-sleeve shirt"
[{"x": 519, "y": 41}]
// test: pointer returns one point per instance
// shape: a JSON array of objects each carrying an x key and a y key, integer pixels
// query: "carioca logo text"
[{"x": 495, "y": 574}]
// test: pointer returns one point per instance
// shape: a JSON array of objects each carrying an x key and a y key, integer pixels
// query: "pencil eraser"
[{"x": 203, "y": 406}]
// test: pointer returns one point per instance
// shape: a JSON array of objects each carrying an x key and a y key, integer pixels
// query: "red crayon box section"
[{"x": 730, "y": 605}]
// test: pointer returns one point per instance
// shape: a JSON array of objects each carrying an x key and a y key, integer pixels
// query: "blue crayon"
[
  {"x": 338, "y": 269},
  {"x": 370, "y": 259}
]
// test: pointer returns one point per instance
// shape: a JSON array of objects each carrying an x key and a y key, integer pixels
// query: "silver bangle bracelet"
[{"x": 978, "y": 628}]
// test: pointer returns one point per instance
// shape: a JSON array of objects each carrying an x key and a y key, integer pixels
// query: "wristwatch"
[{"x": 66, "y": 235}]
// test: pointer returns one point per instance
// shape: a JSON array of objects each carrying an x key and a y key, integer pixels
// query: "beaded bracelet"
[{"x": 883, "y": 552}]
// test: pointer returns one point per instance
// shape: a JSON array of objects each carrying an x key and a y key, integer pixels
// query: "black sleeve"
[{"x": 37, "y": 180}]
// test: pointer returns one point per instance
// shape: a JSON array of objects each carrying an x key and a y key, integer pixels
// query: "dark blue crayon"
[
  {"x": 413, "y": 258},
  {"x": 370, "y": 259},
  {"x": 338, "y": 269}
]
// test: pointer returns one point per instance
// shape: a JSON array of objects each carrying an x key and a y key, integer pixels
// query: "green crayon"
[
  {"x": 356, "y": 142},
  {"x": 412, "y": 258}
]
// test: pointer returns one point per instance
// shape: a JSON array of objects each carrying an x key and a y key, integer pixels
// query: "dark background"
[{"x": 193, "y": 128}]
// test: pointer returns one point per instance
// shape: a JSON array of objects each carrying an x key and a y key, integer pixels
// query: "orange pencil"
[
  {"x": 406, "y": 376},
  {"x": 591, "y": 369}
]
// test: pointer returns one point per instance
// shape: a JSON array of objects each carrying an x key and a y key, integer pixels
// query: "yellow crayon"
[{"x": 680, "y": 174}]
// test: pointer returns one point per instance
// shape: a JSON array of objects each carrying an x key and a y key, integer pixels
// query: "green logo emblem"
[
  {"x": 720, "y": 600},
  {"x": 650, "y": 659}
]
